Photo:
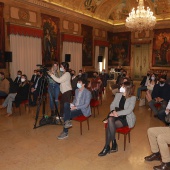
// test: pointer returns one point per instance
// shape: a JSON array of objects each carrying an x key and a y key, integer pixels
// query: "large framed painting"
[
  {"x": 87, "y": 49},
  {"x": 51, "y": 39},
  {"x": 119, "y": 49},
  {"x": 161, "y": 48}
]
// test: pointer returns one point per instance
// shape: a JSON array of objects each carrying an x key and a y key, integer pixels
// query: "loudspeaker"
[
  {"x": 100, "y": 58},
  {"x": 8, "y": 56},
  {"x": 67, "y": 57}
]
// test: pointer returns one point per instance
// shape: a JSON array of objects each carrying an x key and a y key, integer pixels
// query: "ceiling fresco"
[{"x": 113, "y": 11}]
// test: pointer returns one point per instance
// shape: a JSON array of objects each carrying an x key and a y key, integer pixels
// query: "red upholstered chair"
[
  {"x": 94, "y": 104},
  {"x": 25, "y": 103},
  {"x": 82, "y": 119},
  {"x": 123, "y": 130}
]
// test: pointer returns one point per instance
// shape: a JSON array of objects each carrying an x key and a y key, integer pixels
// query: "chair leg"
[
  {"x": 118, "y": 135},
  {"x": 81, "y": 128},
  {"x": 98, "y": 110},
  {"x": 88, "y": 123},
  {"x": 94, "y": 112},
  {"x": 124, "y": 142},
  {"x": 129, "y": 136}
]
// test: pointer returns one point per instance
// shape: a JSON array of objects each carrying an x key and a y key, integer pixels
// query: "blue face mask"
[{"x": 79, "y": 85}]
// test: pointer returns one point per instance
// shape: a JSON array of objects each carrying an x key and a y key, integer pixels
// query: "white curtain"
[
  {"x": 96, "y": 58},
  {"x": 75, "y": 49},
  {"x": 26, "y": 54}
]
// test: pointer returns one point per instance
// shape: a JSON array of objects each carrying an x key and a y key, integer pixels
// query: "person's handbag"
[{"x": 142, "y": 102}]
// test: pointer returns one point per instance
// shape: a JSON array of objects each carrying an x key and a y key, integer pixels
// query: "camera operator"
[
  {"x": 54, "y": 88},
  {"x": 36, "y": 88},
  {"x": 65, "y": 85}
]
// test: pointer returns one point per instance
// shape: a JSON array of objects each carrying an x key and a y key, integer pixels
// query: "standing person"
[
  {"x": 73, "y": 80},
  {"x": 54, "y": 88},
  {"x": 159, "y": 139},
  {"x": 22, "y": 94},
  {"x": 121, "y": 115},
  {"x": 4, "y": 85},
  {"x": 65, "y": 85},
  {"x": 79, "y": 106},
  {"x": 104, "y": 77}
]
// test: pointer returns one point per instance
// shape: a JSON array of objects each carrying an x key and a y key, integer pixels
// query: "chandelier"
[{"x": 140, "y": 19}]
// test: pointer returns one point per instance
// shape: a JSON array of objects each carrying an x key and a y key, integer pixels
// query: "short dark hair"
[
  {"x": 163, "y": 77},
  {"x": 19, "y": 71},
  {"x": 83, "y": 80},
  {"x": 65, "y": 65}
]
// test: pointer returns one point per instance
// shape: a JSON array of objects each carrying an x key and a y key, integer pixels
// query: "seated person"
[
  {"x": 151, "y": 83},
  {"x": 143, "y": 85},
  {"x": 18, "y": 78},
  {"x": 121, "y": 115},
  {"x": 160, "y": 94},
  {"x": 104, "y": 77},
  {"x": 159, "y": 139},
  {"x": 36, "y": 89},
  {"x": 4, "y": 85},
  {"x": 21, "y": 95},
  {"x": 34, "y": 77},
  {"x": 79, "y": 106},
  {"x": 95, "y": 85}
]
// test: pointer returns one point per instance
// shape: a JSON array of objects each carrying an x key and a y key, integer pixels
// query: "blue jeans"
[
  {"x": 53, "y": 90},
  {"x": 139, "y": 90},
  {"x": 69, "y": 114}
]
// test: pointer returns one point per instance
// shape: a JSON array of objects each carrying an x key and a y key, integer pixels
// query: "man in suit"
[
  {"x": 34, "y": 77},
  {"x": 18, "y": 78},
  {"x": 143, "y": 84},
  {"x": 36, "y": 88},
  {"x": 80, "y": 106}
]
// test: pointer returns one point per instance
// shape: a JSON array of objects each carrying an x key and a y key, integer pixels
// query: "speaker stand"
[{"x": 9, "y": 70}]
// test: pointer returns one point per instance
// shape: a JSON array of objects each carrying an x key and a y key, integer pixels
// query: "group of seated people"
[{"x": 62, "y": 79}]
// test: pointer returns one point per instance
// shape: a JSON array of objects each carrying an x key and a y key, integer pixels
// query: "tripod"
[{"x": 51, "y": 120}]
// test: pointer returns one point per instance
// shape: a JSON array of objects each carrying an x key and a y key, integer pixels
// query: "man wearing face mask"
[
  {"x": 36, "y": 88},
  {"x": 18, "y": 78},
  {"x": 4, "y": 85},
  {"x": 79, "y": 106},
  {"x": 34, "y": 77},
  {"x": 160, "y": 94},
  {"x": 143, "y": 85}
]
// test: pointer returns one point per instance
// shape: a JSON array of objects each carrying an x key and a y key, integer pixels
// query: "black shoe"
[
  {"x": 163, "y": 166},
  {"x": 153, "y": 157},
  {"x": 114, "y": 147},
  {"x": 105, "y": 151}
]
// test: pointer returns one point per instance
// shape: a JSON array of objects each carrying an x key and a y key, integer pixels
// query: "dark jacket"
[
  {"x": 22, "y": 94},
  {"x": 162, "y": 92},
  {"x": 143, "y": 81}
]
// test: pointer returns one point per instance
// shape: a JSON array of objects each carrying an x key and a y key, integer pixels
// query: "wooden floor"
[{"x": 25, "y": 148}]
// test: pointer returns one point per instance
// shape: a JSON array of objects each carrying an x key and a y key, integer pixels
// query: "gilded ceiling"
[{"x": 113, "y": 11}]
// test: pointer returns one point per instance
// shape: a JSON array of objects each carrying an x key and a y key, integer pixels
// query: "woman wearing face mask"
[
  {"x": 121, "y": 115},
  {"x": 80, "y": 106},
  {"x": 21, "y": 95},
  {"x": 65, "y": 85},
  {"x": 150, "y": 86},
  {"x": 54, "y": 88}
]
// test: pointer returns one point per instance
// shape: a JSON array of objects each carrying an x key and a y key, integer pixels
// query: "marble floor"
[{"x": 25, "y": 148}]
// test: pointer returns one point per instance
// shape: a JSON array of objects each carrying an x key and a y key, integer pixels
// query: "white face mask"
[
  {"x": 152, "y": 78},
  {"x": 61, "y": 69},
  {"x": 122, "y": 90},
  {"x": 22, "y": 79},
  {"x": 80, "y": 74},
  {"x": 79, "y": 85},
  {"x": 19, "y": 75}
]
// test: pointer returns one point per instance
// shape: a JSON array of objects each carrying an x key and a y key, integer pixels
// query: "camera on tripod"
[{"x": 43, "y": 69}]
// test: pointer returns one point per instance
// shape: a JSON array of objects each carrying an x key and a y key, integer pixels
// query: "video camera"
[{"x": 43, "y": 69}]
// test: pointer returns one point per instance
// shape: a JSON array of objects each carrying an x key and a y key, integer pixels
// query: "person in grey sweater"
[{"x": 121, "y": 115}]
